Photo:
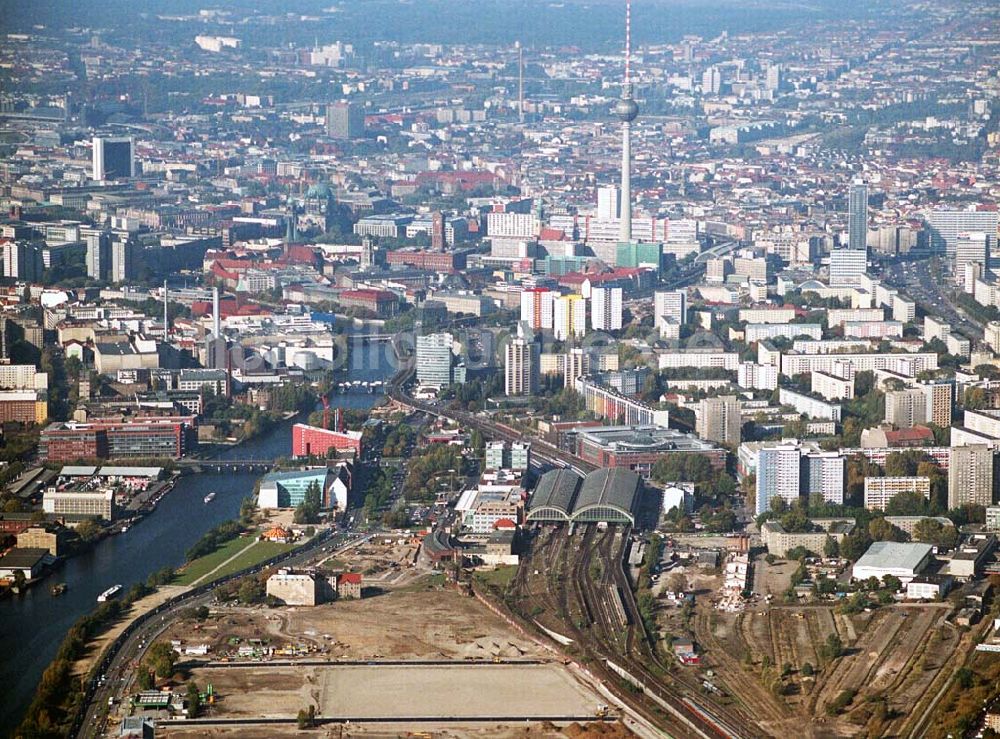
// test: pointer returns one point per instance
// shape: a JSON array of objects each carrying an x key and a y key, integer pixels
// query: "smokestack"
[
  {"x": 166, "y": 319},
  {"x": 217, "y": 332}
]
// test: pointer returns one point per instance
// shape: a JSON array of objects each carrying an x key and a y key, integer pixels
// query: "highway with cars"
[{"x": 918, "y": 280}]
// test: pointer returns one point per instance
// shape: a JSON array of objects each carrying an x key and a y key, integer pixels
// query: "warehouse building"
[{"x": 904, "y": 560}]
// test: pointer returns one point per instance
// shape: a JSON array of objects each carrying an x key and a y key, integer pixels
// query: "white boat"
[
  {"x": 109, "y": 593},
  {"x": 210, "y": 497}
]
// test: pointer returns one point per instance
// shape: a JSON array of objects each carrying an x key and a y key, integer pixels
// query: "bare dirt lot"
[
  {"x": 542, "y": 730},
  {"x": 428, "y": 622},
  {"x": 393, "y": 691},
  {"x": 418, "y": 623}
]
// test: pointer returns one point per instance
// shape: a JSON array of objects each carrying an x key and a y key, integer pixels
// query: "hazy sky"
[{"x": 590, "y": 23}]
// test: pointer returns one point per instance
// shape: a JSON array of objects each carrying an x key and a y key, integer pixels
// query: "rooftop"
[{"x": 894, "y": 554}]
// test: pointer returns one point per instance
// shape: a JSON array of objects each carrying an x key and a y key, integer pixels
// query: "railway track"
[{"x": 601, "y": 615}]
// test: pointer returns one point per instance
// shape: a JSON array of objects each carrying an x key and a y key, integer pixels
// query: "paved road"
[{"x": 918, "y": 282}]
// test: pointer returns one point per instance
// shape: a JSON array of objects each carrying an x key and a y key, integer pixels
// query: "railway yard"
[
  {"x": 573, "y": 587},
  {"x": 768, "y": 670}
]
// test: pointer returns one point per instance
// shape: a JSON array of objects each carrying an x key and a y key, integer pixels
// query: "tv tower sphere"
[{"x": 626, "y": 109}]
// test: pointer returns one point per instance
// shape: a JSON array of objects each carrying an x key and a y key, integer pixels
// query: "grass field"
[
  {"x": 499, "y": 577},
  {"x": 263, "y": 550},
  {"x": 203, "y": 565},
  {"x": 237, "y": 554}
]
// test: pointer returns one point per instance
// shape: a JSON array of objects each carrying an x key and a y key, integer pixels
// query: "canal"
[{"x": 33, "y": 625}]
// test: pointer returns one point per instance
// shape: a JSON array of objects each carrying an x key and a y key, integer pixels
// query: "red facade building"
[{"x": 313, "y": 441}]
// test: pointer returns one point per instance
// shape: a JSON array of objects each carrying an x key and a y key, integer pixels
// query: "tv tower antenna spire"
[{"x": 627, "y": 111}]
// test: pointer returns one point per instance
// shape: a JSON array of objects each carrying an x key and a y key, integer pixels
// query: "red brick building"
[
  {"x": 436, "y": 261},
  {"x": 382, "y": 303},
  {"x": 313, "y": 441}
]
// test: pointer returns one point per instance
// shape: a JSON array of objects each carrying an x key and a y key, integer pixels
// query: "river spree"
[{"x": 33, "y": 625}]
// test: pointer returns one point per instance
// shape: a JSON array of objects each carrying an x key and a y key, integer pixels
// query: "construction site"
[{"x": 424, "y": 654}]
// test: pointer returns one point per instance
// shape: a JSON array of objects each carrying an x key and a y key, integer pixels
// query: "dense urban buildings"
[{"x": 494, "y": 294}]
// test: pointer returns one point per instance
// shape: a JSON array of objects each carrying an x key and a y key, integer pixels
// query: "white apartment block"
[
  {"x": 880, "y": 490},
  {"x": 838, "y": 316},
  {"x": 873, "y": 329},
  {"x": 992, "y": 336},
  {"x": 935, "y": 328},
  {"x": 903, "y": 309},
  {"x": 669, "y": 307},
  {"x": 909, "y": 364},
  {"x": 22, "y": 377},
  {"x": 512, "y": 225},
  {"x": 762, "y": 331},
  {"x": 606, "y": 308},
  {"x": 757, "y": 376},
  {"x": 809, "y": 406},
  {"x": 538, "y": 308},
  {"x": 766, "y": 315},
  {"x": 958, "y": 345},
  {"x": 831, "y": 387},
  {"x": 673, "y": 360},
  {"x": 906, "y": 408}
]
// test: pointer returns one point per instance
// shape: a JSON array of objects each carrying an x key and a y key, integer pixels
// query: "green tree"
[
  {"x": 308, "y": 510},
  {"x": 88, "y": 530},
  {"x": 193, "y": 699},
  {"x": 251, "y": 591},
  {"x": 161, "y": 658},
  {"x": 930, "y": 531},
  {"x": 881, "y": 530},
  {"x": 831, "y": 548}
]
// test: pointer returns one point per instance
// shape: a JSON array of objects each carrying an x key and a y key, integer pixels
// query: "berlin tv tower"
[{"x": 627, "y": 110}]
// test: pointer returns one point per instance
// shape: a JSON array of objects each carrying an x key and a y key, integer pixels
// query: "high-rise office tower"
[
  {"x": 669, "y": 306},
  {"x": 945, "y": 224},
  {"x": 98, "y": 255},
  {"x": 538, "y": 307},
  {"x": 113, "y": 157},
  {"x": 569, "y": 319},
  {"x": 847, "y": 266},
  {"x": 345, "y": 121},
  {"x": 970, "y": 476},
  {"x": 627, "y": 111},
  {"x": 520, "y": 367},
  {"x": 971, "y": 247},
  {"x": 606, "y": 308},
  {"x": 718, "y": 419},
  {"x": 857, "y": 227},
  {"x": 435, "y": 359}
]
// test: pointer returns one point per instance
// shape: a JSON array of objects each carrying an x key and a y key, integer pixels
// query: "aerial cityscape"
[{"x": 470, "y": 368}]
